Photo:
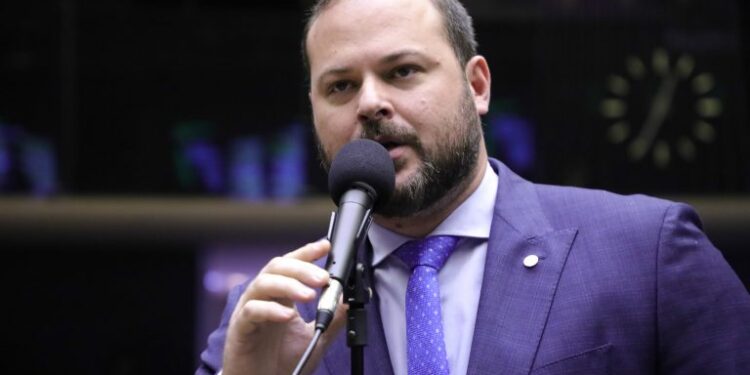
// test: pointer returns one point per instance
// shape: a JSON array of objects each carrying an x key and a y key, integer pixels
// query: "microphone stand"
[{"x": 357, "y": 295}]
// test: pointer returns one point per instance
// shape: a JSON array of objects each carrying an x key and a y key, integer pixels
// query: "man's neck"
[{"x": 425, "y": 221}]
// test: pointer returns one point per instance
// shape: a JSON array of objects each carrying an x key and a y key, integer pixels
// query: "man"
[{"x": 541, "y": 279}]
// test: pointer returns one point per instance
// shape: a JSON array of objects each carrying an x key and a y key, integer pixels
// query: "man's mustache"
[
  {"x": 383, "y": 130},
  {"x": 375, "y": 130}
]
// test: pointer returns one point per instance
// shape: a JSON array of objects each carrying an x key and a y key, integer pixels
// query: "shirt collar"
[{"x": 473, "y": 218}]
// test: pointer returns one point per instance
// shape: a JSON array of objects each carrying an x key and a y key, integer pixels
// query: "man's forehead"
[
  {"x": 345, "y": 13},
  {"x": 353, "y": 5},
  {"x": 344, "y": 21}
]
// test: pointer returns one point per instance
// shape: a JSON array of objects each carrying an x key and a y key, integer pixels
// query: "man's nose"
[{"x": 374, "y": 103}]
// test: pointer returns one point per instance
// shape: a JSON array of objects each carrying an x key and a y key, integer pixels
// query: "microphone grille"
[{"x": 362, "y": 161}]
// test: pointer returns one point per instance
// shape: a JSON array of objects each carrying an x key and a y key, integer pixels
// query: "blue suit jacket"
[{"x": 624, "y": 285}]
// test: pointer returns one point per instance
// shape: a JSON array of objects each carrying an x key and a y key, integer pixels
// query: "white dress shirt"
[{"x": 460, "y": 279}]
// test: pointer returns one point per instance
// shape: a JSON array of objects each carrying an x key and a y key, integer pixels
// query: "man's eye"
[
  {"x": 404, "y": 71},
  {"x": 339, "y": 86}
]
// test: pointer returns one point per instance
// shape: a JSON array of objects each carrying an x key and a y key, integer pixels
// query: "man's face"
[{"x": 384, "y": 70}]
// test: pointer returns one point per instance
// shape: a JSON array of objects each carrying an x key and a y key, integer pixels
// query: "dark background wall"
[
  {"x": 114, "y": 85},
  {"x": 152, "y": 153},
  {"x": 83, "y": 308}
]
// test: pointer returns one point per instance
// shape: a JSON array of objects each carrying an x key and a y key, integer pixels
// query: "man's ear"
[{"x": 478, "y": 76}]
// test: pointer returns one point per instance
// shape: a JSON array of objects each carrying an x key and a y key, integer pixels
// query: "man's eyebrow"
[
  {"x": 401, "y": 54},
  {"x": 395, "y": 56},
  {"x": 334, "y": 72}
]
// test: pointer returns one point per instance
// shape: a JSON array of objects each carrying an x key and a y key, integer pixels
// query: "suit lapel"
[{"x": 515, "y": 300}]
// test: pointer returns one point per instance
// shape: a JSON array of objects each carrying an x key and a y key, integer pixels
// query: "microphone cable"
[
  {"x": 308, "y": 352},
  {"x": 323, "y": 317}
]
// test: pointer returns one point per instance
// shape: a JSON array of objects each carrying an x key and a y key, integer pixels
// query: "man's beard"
[{"x": 444, "y": 171}]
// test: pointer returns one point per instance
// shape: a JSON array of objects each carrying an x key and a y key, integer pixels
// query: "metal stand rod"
[{"x": 357, "y": 295}]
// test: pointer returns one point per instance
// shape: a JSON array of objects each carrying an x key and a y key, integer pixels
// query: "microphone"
[{"x": 361, "y": 180}]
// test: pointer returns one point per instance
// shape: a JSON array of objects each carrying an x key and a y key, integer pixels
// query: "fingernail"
[
  {"x": 308, "y": 293},
  {"x": 289, "y": 313}
]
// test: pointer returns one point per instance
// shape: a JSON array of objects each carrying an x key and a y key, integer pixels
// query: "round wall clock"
[{"x": 661, "y": 108}]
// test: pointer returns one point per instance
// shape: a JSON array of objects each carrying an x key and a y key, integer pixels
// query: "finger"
[
  {"x": 311, "y": 252},
  {"x": 256, "y": 312},
  {"x": 305, "y": 272},
  {"x": 268, "y": 286},
  {"x": 305, "y": 254}
]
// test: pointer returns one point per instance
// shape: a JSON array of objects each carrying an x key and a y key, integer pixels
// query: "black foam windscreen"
[{"x": 362, "y": 162}]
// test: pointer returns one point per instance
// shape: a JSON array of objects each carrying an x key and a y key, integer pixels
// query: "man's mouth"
[{"x": 388, "y": 143}]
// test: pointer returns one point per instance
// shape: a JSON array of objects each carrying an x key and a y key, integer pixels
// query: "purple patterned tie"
[{"x": 424, "y": 321}]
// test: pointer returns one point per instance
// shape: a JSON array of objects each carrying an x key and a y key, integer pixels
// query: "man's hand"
[{"x": 266, "y": 334}]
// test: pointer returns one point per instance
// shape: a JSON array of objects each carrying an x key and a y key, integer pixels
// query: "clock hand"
[{"x": 660, "y": 106}]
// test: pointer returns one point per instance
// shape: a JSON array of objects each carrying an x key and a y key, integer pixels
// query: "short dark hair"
[{"x": 458, "y": 26}]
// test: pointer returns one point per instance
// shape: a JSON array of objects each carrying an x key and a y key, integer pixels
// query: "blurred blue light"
[
  {"x": 39, "y": 164},
  {"x": 289, "y": 163},
  {"x": 27, "y": 163},
  {"x": 247, "y": 175},
  {"x": 515, "y": 137},
  {"x": 204, "y": 156},
  {"x": 5, "y": 158},
  {"x": 213, "y": 281}
]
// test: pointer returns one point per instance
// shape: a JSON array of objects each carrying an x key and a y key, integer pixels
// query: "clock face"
[{"x": 661, "y": 108}]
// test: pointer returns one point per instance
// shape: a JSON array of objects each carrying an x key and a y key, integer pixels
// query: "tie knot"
[{"x": 432, "y": 251}]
